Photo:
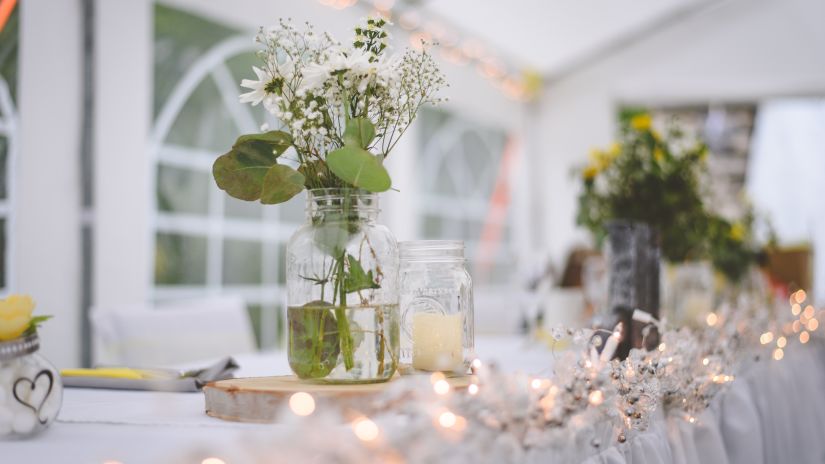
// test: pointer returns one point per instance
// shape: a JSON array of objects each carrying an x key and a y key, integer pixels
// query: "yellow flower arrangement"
[
  {"x": 15, "y": 316},
  {"x": 647, "y": 176}
]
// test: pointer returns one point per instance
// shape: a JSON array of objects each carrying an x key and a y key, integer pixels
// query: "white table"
[
  {"x": 96, "y": 426},
  {"x": 775, "y": 414}
]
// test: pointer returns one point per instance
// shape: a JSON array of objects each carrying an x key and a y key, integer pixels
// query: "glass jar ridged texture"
[
  {"x": 437, "y": 321},
  {"x": 342, "y": 291},
  {"x": 31, "y": 392}
]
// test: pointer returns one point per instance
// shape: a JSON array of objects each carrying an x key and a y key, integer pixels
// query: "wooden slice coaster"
[{"x": 260, "y": 399}]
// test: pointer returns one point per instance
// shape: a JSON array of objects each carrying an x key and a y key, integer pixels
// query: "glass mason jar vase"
[
  {"x": 437, "y": 323},
  {"x": 31, "y": 392},
  {"x": 342, "y": 291}
]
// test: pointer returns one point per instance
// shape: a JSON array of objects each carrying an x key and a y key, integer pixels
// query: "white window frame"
[{"x": 269, "y": 231}]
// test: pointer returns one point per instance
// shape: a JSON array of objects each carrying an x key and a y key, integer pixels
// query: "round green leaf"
[
  {"x": 241, "y": 174},
  {"x": 359, "y": 168},
  {"x": 242, "y": 170},
  {"x": 280, "y": 184}
]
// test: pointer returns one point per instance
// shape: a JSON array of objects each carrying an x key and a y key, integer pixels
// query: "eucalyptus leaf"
[
  {"x": 241, "y": 171},
  {"x": 313, "y": 339},
  {"x": 359, "y": 132},
  {"x": 280, "y": 184},
  {"x": 359, "y": 168},
  {"x": 356, "y": 279},
  {"x": 331, "y": 237},
  {"x": 278, "y": 140}
]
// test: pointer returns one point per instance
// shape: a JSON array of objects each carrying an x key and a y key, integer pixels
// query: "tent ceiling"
[{"x": 552, "y": 35}]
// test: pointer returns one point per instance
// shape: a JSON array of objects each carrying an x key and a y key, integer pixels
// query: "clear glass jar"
[
  {"x": 437, "y": 322},
  {"x": 31, "y": 392},
  {"x": 689, "y": 293},
  {"x": 342, "y": 291}
]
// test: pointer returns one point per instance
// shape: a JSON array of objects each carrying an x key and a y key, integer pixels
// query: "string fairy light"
[
  {"x": 302, "y": 404},
  {"x": 441, "y": 387},
  {"x": 213, "y": 460},
  {"x": 682, "y": 375},
  {"x": 458, "y": 47},
  {"x": 365, "y": 429}
]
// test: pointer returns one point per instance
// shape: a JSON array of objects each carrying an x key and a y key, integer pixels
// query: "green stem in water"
[{"x": 344, "y": 334}]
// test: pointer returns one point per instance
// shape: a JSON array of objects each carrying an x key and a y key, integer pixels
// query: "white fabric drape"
[{"x": 774, "y": 414}]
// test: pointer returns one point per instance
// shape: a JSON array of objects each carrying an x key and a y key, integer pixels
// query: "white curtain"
[{"x": 786, "y": 175}]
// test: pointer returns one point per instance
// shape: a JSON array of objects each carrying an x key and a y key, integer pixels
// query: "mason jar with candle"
[{"x": 436, "y": 302}]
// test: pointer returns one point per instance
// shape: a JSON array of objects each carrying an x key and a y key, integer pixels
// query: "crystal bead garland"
[
  {"x": 31, "y": 392},
  {"x": 436, "y": 299}
]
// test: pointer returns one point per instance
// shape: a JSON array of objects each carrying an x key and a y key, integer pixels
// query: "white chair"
[{"x": 176, "y": 332}]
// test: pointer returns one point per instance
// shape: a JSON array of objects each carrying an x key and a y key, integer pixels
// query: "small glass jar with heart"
[{"x": 31, "y": 392}]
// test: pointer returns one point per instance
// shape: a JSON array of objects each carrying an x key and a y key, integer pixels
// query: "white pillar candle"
[{"x": 437, "y": 342}]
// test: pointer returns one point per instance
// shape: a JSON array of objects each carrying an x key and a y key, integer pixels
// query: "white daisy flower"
[{"x": 258, "y": 88}]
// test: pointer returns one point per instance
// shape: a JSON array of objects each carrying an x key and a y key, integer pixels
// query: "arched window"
[
  {"x": 206, "y": 242},
  {"x": 464, "y": 183}
]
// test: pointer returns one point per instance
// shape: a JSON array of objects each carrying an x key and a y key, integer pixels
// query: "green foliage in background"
[
  {"x": 657, "y": 179},
  {"x": 650, "y": 178}
]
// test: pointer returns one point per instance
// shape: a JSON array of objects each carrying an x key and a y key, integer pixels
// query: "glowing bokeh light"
[
  {"x": 809, "y": 312},
  {"x": 365, "y": 429},
  {"x": 302, "y": 404},
  {"x": 442, "y": 387},
  {"x": 447, "y": 419},
  {"x": 213, "y": 461}
]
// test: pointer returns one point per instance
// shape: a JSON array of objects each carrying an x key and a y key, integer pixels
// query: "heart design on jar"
[{"x": 19, "y": 391}]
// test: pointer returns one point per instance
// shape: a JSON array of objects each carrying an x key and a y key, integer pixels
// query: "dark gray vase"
[{"x": 633, "y": 272}]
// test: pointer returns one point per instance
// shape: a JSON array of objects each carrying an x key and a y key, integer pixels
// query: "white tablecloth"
[{"x": 774, "y": 414}]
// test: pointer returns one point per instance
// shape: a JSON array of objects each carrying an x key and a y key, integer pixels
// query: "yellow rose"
[
  {"x": 15, "y": 316},
  {"x": 641, "y": 122}
]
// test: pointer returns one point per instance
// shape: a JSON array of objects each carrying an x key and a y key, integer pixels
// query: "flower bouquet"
[{"x": 343, "y": 109}]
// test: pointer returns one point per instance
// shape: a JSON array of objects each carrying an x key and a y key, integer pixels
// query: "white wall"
[{"x": 738, "y": 50}]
